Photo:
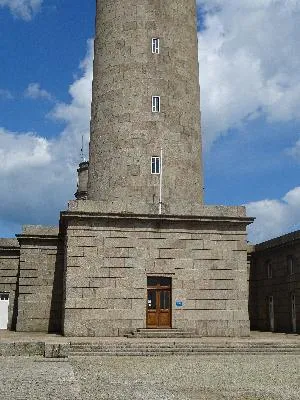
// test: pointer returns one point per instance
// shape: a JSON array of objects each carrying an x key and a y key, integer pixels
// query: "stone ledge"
[
  {"x": 89, "y": 209},
  {"x": 9, "y": 244},
  {"x": 198, "y": 210},
  {"x": 37, "y": 230}
]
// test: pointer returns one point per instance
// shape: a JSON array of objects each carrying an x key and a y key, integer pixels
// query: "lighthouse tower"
[
  {"x": 142, "y": 251},
  {"x": 145, "y": 146}
]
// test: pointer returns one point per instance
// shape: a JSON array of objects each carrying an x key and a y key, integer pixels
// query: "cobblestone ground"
[{"x": 234, "y": 377}]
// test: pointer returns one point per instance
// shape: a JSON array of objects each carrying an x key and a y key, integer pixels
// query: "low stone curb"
[{"x": 28, "y": 349}]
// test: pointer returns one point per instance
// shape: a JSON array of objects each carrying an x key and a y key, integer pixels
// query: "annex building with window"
[
  {"x": 274, "y": 284},
  {"x": 138, "y": 248}
]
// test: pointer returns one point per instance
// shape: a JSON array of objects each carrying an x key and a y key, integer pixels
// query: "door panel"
[
  {"x": 165, "y": 308},
  {"x": 151, "y": 309}
]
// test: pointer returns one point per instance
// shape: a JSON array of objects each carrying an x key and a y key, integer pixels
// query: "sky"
[{"x": 249, "y": 60}]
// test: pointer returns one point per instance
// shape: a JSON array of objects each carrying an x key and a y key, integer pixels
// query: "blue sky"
[{"x": 249, "y": 54}]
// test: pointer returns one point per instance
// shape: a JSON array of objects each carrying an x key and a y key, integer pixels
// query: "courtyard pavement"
[
  {"x": 178, "y": 377},
  {"x": 205, "y": 377}
]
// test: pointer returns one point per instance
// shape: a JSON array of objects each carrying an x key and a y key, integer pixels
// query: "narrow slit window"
[
  {"x": 155, "y": 165},
  {"x": 155, "y": 104},
  {"x": 155, "y": 45},
  {"x": 290, "y": 263},
  {"x": 269, "y": 270}
]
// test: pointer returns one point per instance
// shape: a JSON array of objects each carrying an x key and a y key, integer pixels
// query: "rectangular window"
[
  {"x": 155, "y": 165},
  {"x": 155, "y": 45},
  {"x": 269, "y": 270},
  {"x": 290, "y": 265},
  {"x": 155, "y": 104},
  {"x": 4, "y": 296}
]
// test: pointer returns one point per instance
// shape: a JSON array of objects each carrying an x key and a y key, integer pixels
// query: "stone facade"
[
  {"x": 109, "y": 258},
  {"x": 40, "y": 283},
  {"x": 275, "y": 284}
]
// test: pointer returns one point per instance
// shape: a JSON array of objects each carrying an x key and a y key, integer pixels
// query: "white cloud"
[
  {"x": 6, "y": 94},
  {"x": 22, "y": 150},
  {"x": 24, "y": 9},
  {"x": 34, "y": 91},
  {"x": 294, "y": 151},
  {"x": 38, "y": 175},
  {"x": 77, "y": 113},
  {"x": 274, "y": 217},
  {"x": 249, "y": 58}
]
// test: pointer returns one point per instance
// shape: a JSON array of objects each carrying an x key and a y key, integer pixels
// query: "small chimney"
[{"x": 82, "y": 181}]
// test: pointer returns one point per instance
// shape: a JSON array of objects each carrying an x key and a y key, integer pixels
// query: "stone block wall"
[
  {"x": 281, "y": 284},
  {"x": 40, "y": 280},
  {"x": 108, "y": 259},
  {"x": 125, "y": 133},
  {"x": 9, "y": 267}
]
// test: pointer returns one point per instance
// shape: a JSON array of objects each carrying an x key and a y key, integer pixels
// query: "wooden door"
[{"x": 159, "y": 303}]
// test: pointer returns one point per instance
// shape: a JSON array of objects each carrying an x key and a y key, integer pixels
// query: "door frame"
[
  {"x": 293, "y": 312},
  {"x": 158, "y": 288},
  {"x": 271, "y": 314}
]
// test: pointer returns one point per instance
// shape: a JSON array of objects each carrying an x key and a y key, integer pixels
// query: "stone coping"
[
  {"x": 9, "y": 244},
  {"x": 39, "y": 229},
  {"x": 198, "y": 210},
  {"x": 205, "y": 217},
  {"x": 38, "y": 232}
]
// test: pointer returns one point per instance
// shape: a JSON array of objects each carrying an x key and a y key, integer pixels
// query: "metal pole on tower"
[{"x": 160, "y": 181}]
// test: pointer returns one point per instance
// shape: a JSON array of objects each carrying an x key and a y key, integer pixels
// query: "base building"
[{"x": 138, "y": 248}]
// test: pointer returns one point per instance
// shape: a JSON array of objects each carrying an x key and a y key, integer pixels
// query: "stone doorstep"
[{"x": 162, "y": 333}]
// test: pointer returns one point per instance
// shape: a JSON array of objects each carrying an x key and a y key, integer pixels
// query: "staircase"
[{"x": 177, "y": 347}]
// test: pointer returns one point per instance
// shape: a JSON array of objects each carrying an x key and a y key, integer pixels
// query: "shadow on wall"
[{"x": 56, "y": 315}]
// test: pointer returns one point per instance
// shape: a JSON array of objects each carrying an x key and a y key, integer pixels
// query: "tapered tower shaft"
[{"x": 146, "y": 103}]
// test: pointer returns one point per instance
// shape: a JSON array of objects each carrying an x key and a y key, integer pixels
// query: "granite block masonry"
[
  {"x": 109, "y": 258},
  {"x": 138, "y": 248}
]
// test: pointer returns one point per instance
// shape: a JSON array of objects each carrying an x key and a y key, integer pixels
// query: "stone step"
[
  {"x": 180, "y": 348},
  {"x": 161, "y": 333},
  {"x": 181, "y": 352},
  {"x": 178, "y": 345}
]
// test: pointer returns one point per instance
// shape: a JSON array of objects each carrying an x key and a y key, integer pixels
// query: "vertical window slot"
[
  {"x": 155, "y": 45},
  {"x": 155, "y": 104},
  {"x": 155, "y": 165}
]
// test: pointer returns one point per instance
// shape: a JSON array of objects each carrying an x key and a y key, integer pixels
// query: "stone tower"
[{"x": 145, "y": 108}]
